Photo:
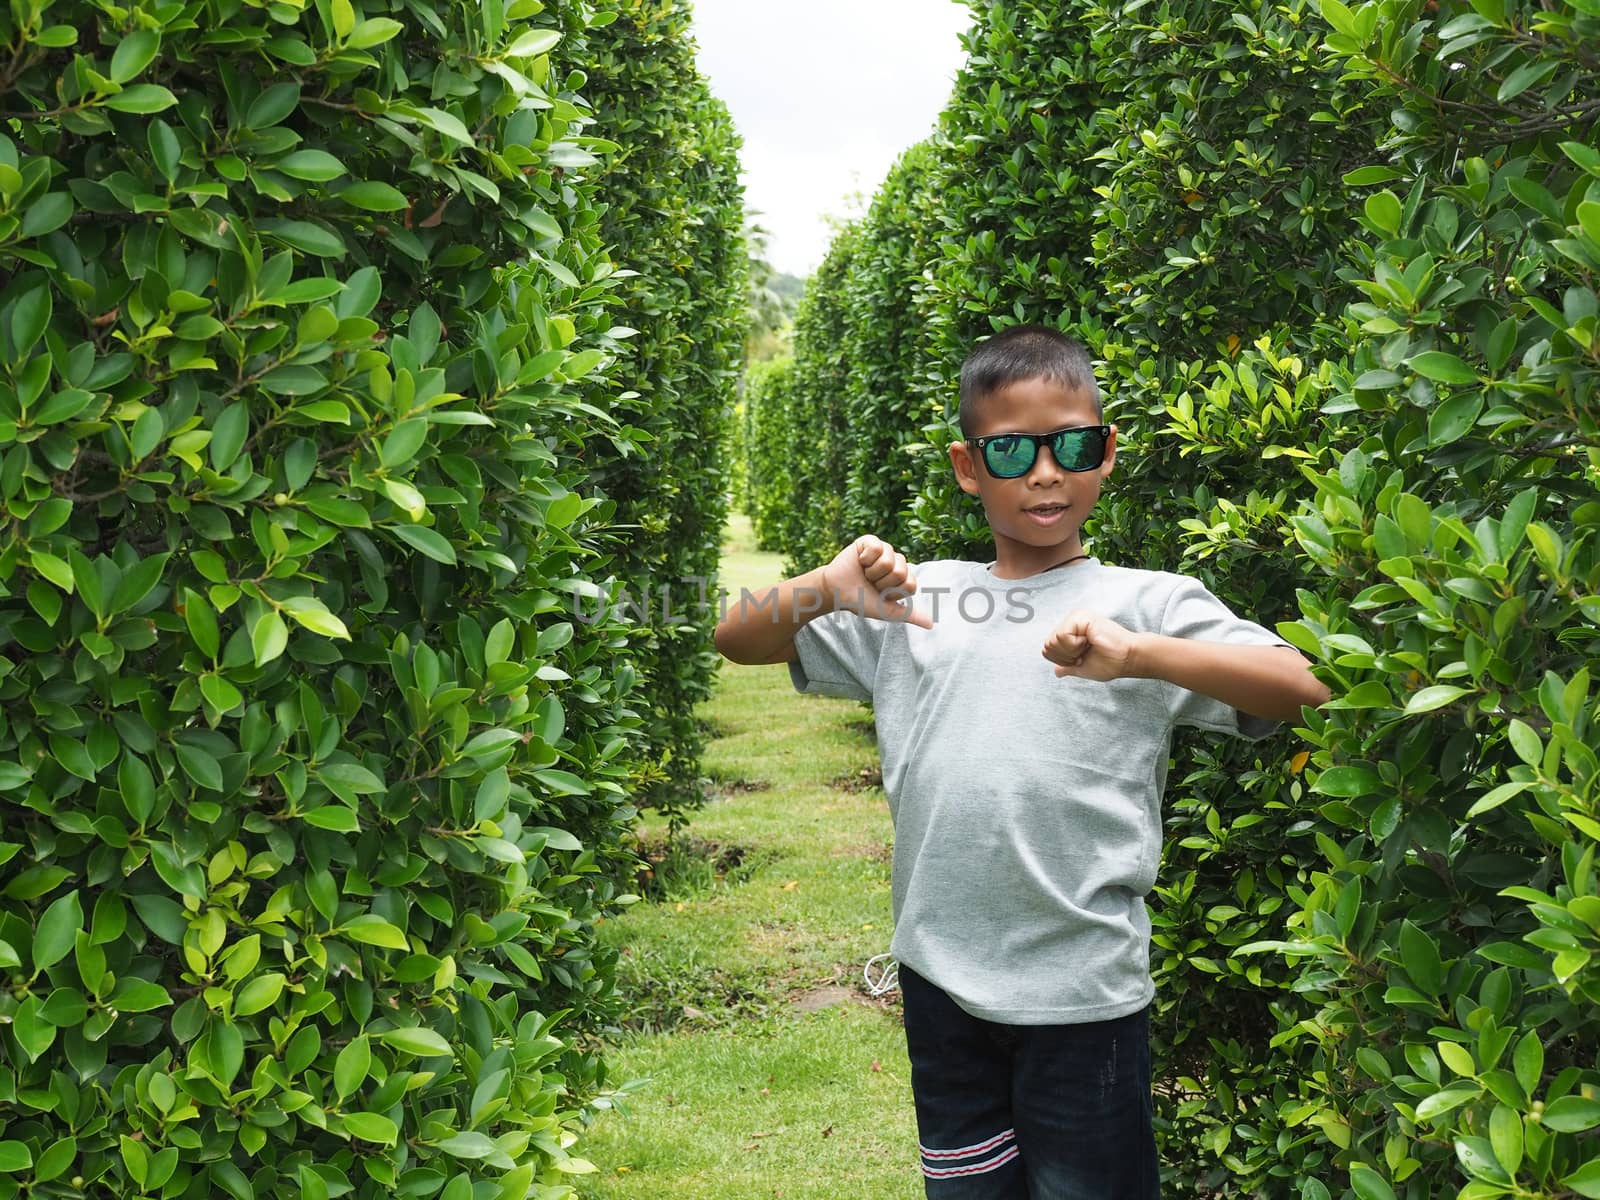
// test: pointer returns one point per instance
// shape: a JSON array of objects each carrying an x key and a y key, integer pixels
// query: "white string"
[{"x": 888, "y": 974}]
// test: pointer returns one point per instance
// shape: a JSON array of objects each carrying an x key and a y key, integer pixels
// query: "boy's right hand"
[{"x": 871, "y": 578}]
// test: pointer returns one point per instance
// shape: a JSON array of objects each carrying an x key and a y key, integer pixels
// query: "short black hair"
[{"x": 1023, "y": 352}]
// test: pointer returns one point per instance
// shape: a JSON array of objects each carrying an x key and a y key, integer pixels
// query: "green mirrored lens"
[
  {"x": 1078, "y": 449},
  {"x": 1008, "y": 456}
]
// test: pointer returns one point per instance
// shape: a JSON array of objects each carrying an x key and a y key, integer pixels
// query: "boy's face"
[{"x": 1037, "y": 516}]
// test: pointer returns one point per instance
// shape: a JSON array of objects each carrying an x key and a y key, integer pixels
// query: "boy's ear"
[
  {"x": 1111, "y": 454},
  {"x": 965, "y": 468}
]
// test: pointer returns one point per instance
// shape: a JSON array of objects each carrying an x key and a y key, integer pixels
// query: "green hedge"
[
  {"x": 1450, "y": 945},
  {"x": 675, "y": 210},
  {"x": 767, "y": 445},
  {"x": 1367, "y": 415},
  {"x": 311, "y": 789}
]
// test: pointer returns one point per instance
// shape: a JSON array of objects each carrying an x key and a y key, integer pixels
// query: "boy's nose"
[{"x": 1045, "y": 466}]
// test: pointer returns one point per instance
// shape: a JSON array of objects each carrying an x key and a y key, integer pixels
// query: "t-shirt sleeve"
[
  {"x": 837, "y": 655},
  {"x": 1193, "y": 612}
]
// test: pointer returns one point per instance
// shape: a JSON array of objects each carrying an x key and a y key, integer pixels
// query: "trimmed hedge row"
[
  {"x": 1338, "y": 266},
  {"x": 673, "y": 201},
  {"x": 311, "y": 787}
]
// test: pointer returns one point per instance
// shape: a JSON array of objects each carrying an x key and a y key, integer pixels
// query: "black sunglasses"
[{"x": 1010, "y": 455}]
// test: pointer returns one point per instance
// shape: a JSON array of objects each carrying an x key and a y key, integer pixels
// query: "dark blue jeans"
[{"x": 1029, "y": 1112}]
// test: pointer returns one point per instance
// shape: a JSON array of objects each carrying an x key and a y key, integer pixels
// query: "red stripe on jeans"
[
  {"x": 978, "y": 1169},
  {"x": 969, "y": 1151}
]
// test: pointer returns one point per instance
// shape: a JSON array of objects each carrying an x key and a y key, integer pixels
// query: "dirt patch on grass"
[
  {"x": 677, "y": 867},
  {"x": 879, "y": 853},
  {"x": 823, "y": 997},
  {"x": 722, "y": 789},
  {"x": 862, "y": 779},
  {"x": 866, "y": 728}
]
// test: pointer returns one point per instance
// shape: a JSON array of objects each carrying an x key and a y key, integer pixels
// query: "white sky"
[{"x": 827, "y": 94}]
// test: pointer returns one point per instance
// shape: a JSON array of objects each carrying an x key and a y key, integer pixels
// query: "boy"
[{"x": 1026, "y": 800}]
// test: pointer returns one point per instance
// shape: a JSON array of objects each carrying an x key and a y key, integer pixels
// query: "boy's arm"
[
  {"x": 1266, "y": 681},
  {"x": 868, "y": 577}
]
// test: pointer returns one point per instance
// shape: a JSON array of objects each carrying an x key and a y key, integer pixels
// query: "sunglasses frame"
[{"x": 1039, "y": 441}]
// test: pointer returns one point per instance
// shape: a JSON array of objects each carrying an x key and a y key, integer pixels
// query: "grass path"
[{"x": 772, "y": 1074}]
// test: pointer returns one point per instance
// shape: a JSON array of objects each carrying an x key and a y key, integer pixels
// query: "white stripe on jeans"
[
  {"x": 982, "y": 1168},
  {"x": 969, "y": 1151}
]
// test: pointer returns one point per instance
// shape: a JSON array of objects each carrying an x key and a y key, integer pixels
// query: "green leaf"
[
  {"x": 351, "y": 1067},
  {"x": 47, "y": 214},
  {"x": 468, "y": 1145},
  {"x": 1505, "y": 1136},
  {"x": 219, "y": 693},
  {"x": 1430, "y": 698},
  {"x": 406, "y": 497},
  {"x": 351, "y": 776},
  {"x": 533, "y": 43},
  {"x": 260, "y": 993},
  {"x": 422, "y": 1042},
  {"x": 268, "y": 637},
  {"x": 165, "y": 150},
  {"x": 1368, "y": 1184},
  {"x": 306, "y": 237},
  {"x": 318, "y": 166},
  {"x": 403, "y": 442},
  {"x": 371, "y": 1127},
  {"x": 1443, "y": 1102},
  {"x": 444, "y": 123},
  {"x": 373, "y": 32},
  {"x": 562, "y": 783},
  {"x": 1571, "y": 1114},
  {"x": 228, "y": 436},
  {"x": 137, "y": 785},
  {"x": 29, "y": 319},
  {"x": 1585, "y": 1180},
  {"x": 314, "y": 615},
  {"x": 142, "y": 98},
  {"x": 54, "y": 1161},
  {"x": 1457, "y": 1057},
  {"x": 335, "y": 817},
  {"x": 1452, "y": 420},
  {"x": 305, "y": 291},
  {"x": 273, "y": 104},
  {"x": 1383, "y": 211},
  {"x": 72, "y": 755},
  {"x": 1589, "y": 219},
  {"x": 339, "y": 512},
  {"x": 1337, "y": 14},
  {"x": 139, "y": 582},
  {"x": 200, "y": 767},
  {"x": 428, "y": 541},
  {"x": 1348, "y": 781},
  {"x": 1365, "y": 176},
  {"x": 201, "y": 619},
  {"x": 1442, "y": 367},
  {"x": 1528, "y": 1061},
  {"x": 15, "y": 1157},
  {"x": 1477, "y": 1157},
  {"x": 33, "y": 1033},
  {"x": 374, "y": 931},
  {"x": 133, "y": 54},
  {"x": 1419, "y": 954},
  {"x": 57, "y": 932},
  {"x": 374, "y": 196},
  {"x": 1525, "y": 77},
  {"x": 294, "y": 380}
]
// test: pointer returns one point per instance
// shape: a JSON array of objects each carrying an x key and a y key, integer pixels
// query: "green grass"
[{"x": 768, "y": 1071}]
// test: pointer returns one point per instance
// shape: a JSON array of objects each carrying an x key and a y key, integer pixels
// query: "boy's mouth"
[{"x": 1046, "y": 514}]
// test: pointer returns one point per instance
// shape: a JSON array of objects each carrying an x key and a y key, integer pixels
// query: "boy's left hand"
[{"x": 1090, "y": 646}]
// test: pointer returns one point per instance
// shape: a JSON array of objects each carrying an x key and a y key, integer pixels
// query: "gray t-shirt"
[{"x": 1027, "y": 807}]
